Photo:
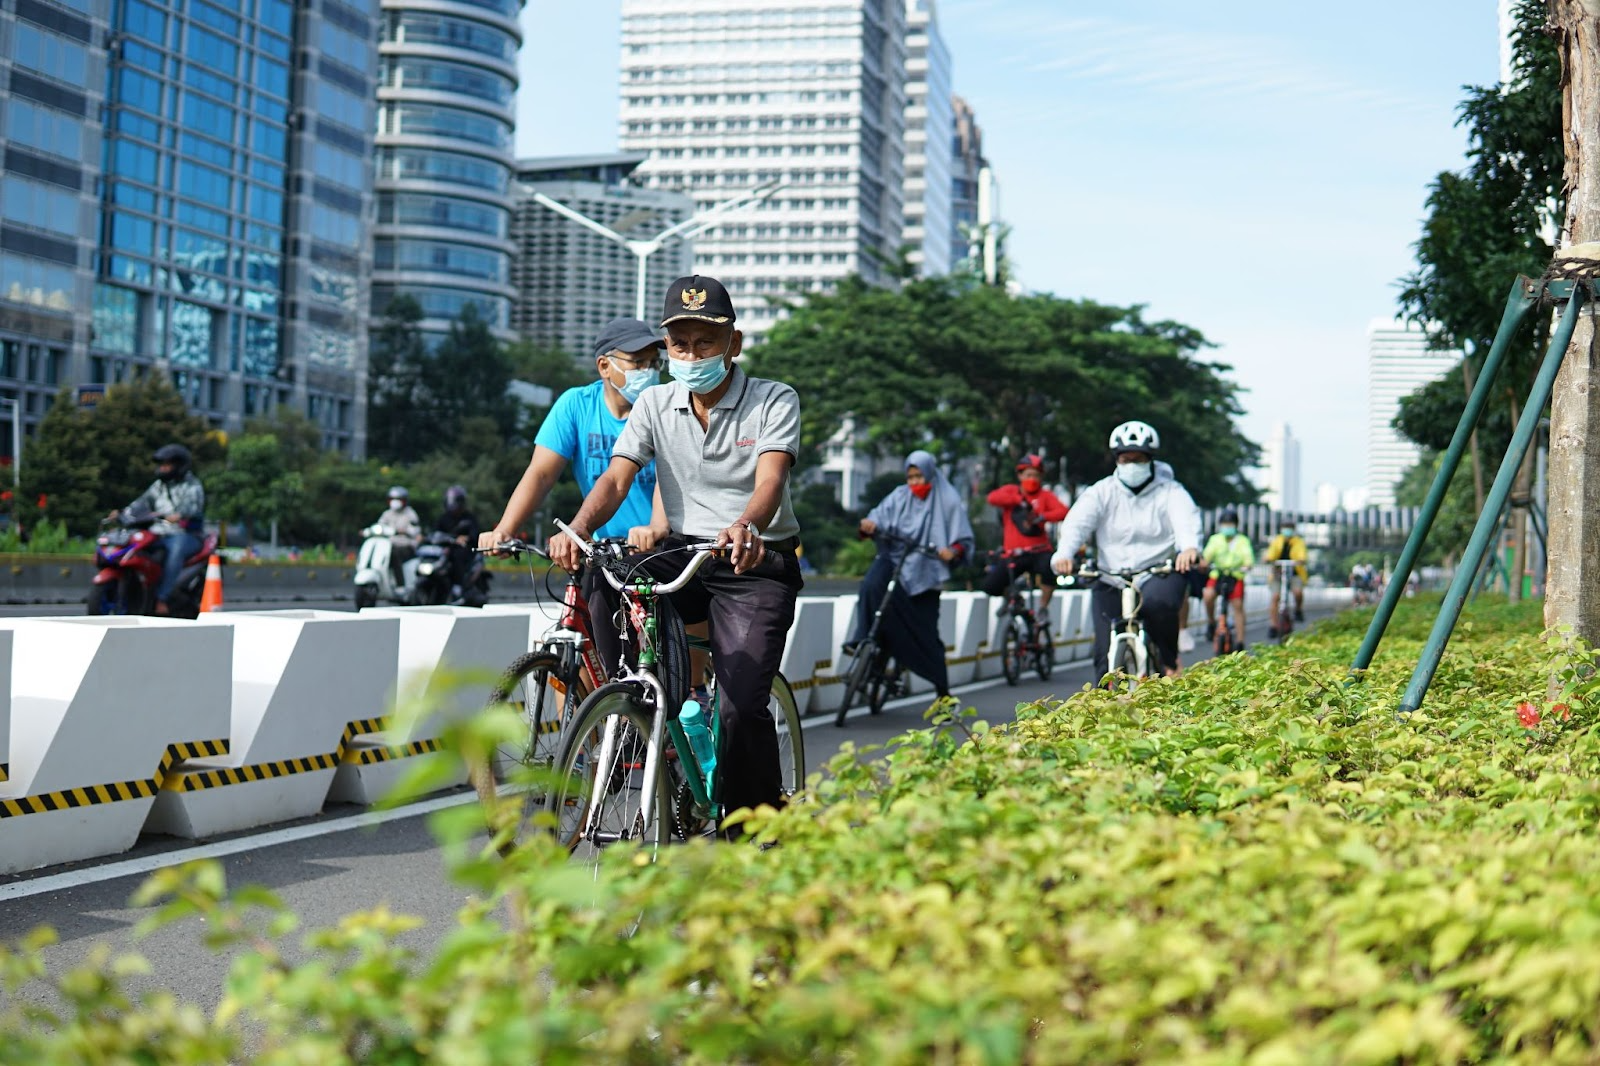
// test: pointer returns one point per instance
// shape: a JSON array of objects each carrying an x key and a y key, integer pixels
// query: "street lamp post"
[{"x": 692, "y": 226}]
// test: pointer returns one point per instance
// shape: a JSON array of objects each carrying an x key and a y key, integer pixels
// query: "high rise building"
[
  {"x": 968, "y": 166},
  {"x": 1280, "y": 470},
  {"x": 53, "y": 77},
  {"x": 570, "y": 280},
  {"x": 445, "y": 164},
  {"x": 725, "y": 95},
  {"x": 1329, "y": 498},
  {"x": 226, "y": 242},
  {"x": 1399, "y": 362},
  {"x": 930, "y": 144}
]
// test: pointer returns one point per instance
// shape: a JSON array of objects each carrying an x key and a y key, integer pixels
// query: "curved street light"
[{"x": 692, "y": 226}]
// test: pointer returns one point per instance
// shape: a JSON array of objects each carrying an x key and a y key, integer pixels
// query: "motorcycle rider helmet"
[
  {"x": 455, "y": 498},
  {"x": 176, "y": 460},
  {"x": 1135, "y": 436},
  {"x": 398, "y": 492}
]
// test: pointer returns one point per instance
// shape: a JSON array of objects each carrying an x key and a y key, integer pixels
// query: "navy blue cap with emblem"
[{"x": 697, "y": 297}]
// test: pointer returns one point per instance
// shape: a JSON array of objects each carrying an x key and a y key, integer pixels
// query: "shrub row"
[{"x": 1254, "y": 863}]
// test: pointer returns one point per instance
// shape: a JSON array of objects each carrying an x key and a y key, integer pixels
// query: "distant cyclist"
[
  {"x": 1138, "y": 516},
  {"x": 1025, "y": 508},
  {"x": 1291, "y": 546},
  {"x": 1229, "y": 555}
]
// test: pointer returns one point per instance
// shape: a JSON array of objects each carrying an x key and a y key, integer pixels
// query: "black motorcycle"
[{"x": 433, "y": 574}]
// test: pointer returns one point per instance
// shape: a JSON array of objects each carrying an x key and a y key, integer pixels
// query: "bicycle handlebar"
[
  {"x": 591, "y": 549},
  {"x": 1164, "y": 567},
  {"x": 513, "y": 548},
  {"x": 896, "y": 538}
]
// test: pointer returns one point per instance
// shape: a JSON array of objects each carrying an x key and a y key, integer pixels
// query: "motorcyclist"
[
  {"x": 178, "y": 500},
  {"x": 399, "y": 520},
  {"x": 462, "y": 527}
]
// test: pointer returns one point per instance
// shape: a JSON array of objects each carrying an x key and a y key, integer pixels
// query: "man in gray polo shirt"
[{"x": 723, "y": 444}]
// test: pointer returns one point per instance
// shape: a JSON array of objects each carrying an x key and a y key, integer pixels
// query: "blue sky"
[{"x": 1256, "y": 170}]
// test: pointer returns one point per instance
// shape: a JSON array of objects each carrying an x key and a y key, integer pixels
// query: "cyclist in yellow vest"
[
  {"x": 1229, "y": 555},
  {"x": 1288, "y": 545}
]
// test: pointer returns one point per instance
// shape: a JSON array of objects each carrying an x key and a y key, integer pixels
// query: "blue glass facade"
[{"x": 226, "y": 201}]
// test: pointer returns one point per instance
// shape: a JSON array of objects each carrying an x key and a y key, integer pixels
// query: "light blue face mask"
[
  {"x": 700, "y": 376},
  {"x": 636, "y": 381}
]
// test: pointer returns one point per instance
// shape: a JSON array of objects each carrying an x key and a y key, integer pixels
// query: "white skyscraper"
[
  {"x": 1280, "y": 468},
  {"x": 724, "y": 95},
  {"x": 930, "y": 143},
  {"x": 1328, "y": 498},
  {"x": 1399, "y": 361}
]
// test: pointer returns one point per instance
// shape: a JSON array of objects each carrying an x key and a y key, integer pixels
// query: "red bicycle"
[{"x": 1027, "y": 638}]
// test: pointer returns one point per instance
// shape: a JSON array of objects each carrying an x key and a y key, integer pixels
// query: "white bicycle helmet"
[{"x": 1135, "y": 437}]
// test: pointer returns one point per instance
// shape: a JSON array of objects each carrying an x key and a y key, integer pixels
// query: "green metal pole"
[
  {"x": 1524, "y": 293},
  {"x": 1489, "y": 520}
]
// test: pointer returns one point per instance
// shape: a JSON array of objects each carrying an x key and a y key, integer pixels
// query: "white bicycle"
[{"x": 1131, "y": 654}]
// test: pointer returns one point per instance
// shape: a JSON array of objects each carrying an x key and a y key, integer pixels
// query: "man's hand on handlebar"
[
  {"x": 1187, "y": 560},
  {"x": 645, "y": 538},
  {"x": 564, "y": 552},
  {"x": 745, "y": 549},
  {"x": 1062, "y": 566}
]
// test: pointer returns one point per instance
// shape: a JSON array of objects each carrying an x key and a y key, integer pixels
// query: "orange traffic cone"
[{"x": 211, "y": 597}]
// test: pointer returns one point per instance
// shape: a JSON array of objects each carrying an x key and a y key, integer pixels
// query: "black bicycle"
[
  {"x": 874, "y": 676},
  {"x": 1223, "y": 639},
  {"x": 1027, "y": 640}
]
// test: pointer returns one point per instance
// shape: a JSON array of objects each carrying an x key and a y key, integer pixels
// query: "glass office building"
[
  {"x": 443, "y": 236},
  {"x": 224, "y": 237}
]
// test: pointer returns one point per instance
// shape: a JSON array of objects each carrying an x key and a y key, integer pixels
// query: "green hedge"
[{"x": 1251, "y": 864}]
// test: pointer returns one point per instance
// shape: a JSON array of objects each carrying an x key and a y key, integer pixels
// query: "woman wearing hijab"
[{"x": 928, "y": 512}]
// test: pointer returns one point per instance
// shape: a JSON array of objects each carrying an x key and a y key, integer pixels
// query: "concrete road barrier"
[{"x": 110, "y": 727}]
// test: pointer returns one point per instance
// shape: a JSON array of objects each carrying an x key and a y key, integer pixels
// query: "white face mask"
[
  {"x": 397, "y": 505},
  {"x": 1133, "y": 475}
]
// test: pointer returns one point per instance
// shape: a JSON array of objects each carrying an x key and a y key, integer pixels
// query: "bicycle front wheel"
[
  {"x": 598, "y": 792},
  {"x": 508, "y": 782},
  {"x": 862, "y": 666},
  {"x": 1044, "y": 651},
  {"x": 791, "y": 740},
  {"x": 1127, "y": 663}
]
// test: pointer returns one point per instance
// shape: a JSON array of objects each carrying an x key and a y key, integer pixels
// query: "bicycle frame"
[
  {"x": 1129, "y": 627},
  {"x": 638, "y": 595}
]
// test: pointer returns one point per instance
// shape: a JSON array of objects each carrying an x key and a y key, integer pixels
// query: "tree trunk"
[{"x": 1573, "y": 593}]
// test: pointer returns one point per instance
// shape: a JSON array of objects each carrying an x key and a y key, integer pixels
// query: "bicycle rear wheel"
[
  {"x": 605, "y": 745},
  {"x": 1222, "y": 642},
  {"x": 1011, "y": 652},
  {"x": 1285, "y": 619},
  {"x": 1044, "y": 651}
]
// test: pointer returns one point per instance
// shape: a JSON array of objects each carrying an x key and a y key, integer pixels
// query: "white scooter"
[{"x": 375, "y": 578}]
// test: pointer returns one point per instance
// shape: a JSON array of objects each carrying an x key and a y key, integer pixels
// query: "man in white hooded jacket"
[{"x": 1138, "y": 517}]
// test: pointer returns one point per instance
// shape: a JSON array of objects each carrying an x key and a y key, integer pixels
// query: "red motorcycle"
[{"x": 129, "y": 558}]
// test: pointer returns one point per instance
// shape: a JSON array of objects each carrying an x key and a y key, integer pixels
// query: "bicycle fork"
[{"x": 608, "y": 751}]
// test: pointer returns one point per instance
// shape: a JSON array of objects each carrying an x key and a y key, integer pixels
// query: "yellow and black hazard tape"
[
  {"x": 367, "y": 756},
  {"x": 89, "y": 795},
  {"x": 4, "y": 769},
  {"x": 194, "y": 780},
  {"x": 547, "y": 725}
]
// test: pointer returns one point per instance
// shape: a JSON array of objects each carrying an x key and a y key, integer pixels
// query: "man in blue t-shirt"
[{"x": 580, "y": 429}]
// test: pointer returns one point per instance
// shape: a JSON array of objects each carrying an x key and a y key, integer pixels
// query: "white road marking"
[{"x": 133, "y": 867}]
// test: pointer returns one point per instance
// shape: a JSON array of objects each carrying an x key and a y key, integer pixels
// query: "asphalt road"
[{"x": 339, "y": 864}]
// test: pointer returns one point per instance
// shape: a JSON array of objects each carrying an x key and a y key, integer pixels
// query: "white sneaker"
[{"x": 1185, "y": 640}]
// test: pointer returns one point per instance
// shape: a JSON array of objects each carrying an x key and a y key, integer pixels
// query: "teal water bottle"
[{"x": 693, "y": 721}]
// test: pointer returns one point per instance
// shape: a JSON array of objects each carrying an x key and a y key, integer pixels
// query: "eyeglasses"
[{"x": 650, "y": 363}]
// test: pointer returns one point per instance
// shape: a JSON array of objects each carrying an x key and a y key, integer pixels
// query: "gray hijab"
[{"x": 940, "y": 521}]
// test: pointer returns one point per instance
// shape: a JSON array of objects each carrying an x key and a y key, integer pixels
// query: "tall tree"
[
  {"x": 466, "y": 377},
  {"x": 257, "y": 486},
  {"x": 90, "y": 460},
  {"x": 1492, "y": 221},
  {"x": 970, "y": 371},
  {"x": 396, "y": 392},
  {"x": 1574, "y": 590}
]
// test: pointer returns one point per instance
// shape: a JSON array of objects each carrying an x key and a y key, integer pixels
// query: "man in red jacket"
[{"x": 1024, "y": 509}]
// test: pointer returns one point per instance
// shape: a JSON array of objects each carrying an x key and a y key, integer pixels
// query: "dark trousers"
[
  {"x": 910, "y": 628},
  {"x": 750, "y": 615},
  {"x": 1162, "y": 596}
]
